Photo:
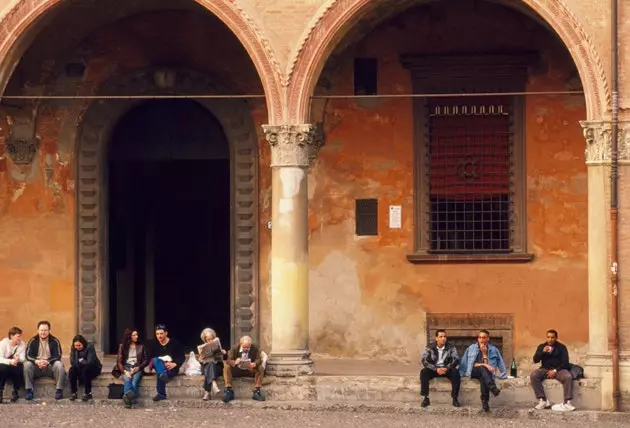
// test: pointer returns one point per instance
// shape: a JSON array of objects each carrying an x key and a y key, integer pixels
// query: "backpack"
[{"x": 577, "y": 372}]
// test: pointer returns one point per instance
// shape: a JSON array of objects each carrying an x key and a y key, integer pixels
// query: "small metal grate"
[
  {"x": 366, "y": 217},
  {"x": 469, "y": 167}
]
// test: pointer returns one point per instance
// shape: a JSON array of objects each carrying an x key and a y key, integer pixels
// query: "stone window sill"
[{"x": 427, "y": 258}]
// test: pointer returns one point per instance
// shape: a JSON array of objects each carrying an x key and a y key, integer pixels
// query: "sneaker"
[
  {"x": 159, "y": 398},
  {"x": 215, "y": 389},
  {"x": 128, "y": 399},
  {"x": 15, "y": 396},
  {"x": 565, "y": 407},
  {"x": 257, "y": 396},
  {"x": 86, "y": 397},
  {"x": 206, "y": 396},
  {"x": 456, "y": 403},
  {"x": 543, "y": 404},
  {"x": 426, "y": 402},
  {"x": 73, "y": 396},
  {"x": 228, "y": 395},
  {"x": 58, "y": 394},
  {"x": 29, "y": 395},
  {"x": 485, "y": 406}
]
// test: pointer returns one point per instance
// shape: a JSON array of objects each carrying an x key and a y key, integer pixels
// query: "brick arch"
[
  {"x": 92, "y": 141},
  {"x": 19, "y": 24},
  {"x": 337, "y": 17}
]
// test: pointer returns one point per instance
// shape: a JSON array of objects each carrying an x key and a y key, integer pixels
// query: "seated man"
[
  {"x": 553, "y": 357},
  {"x": 243, "y": 360},
  {"x": 483, "y": 361},
  {"x": 440, "y": 359},
  {"x": 43, "y": 359},
  {"x": 167, "y": 357}
]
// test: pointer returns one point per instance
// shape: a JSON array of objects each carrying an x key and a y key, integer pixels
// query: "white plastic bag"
[{"x": 193, "y": 367}]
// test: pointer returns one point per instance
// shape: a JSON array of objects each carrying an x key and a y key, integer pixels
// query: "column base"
[{"x": 290, "y": 364}]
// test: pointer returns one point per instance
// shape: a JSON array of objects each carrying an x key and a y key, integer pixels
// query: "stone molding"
[
  {"x": 92, "y": 141},
  {"x": 598, "y": 136},
  {"x": 293, "y": 145},
  {"x": 290, "y": 364}
]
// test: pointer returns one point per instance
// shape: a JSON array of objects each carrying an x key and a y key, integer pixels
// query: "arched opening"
[{"x": 169, "y": 221}]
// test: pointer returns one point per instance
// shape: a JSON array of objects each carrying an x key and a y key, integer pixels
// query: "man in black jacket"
[
  {"x": 440, "y": 359},
  {"x": 167, "y": 358},
  {"x": 43, "y": 359},
  {"x": 554, "y": 364},
  {"x": 243, "y": 359}
]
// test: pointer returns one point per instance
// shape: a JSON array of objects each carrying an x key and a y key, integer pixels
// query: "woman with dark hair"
[
  {"x": 84, "y": 367},
  {"x": 133, "y": 357},
  {"x": 12, "y": 356}
]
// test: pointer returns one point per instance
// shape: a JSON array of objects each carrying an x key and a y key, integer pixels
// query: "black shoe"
[
  {"x": 257, "y": 396},
  {"x": 59, "y": 394},
  {"x": 228, "y": 395},
  {"x": 485, "y": 406},
  {"x": 15, "y": 396},
  {"x": 86, "y": 397},
  {"x": 426, "y": 402},
  {"x": 159, "y": 398},
  {"x": 164, "y": 378},
  {"x": 495, "y": 391},
  {"x": 73, "y": 396},
  {"x": 456, "y": 403},
  {"x": 128, "y": 399}
]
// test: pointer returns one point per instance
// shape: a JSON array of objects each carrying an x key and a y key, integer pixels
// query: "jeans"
[
  {"x": 209, "y": 375},
  {"x": 84, "y": 373},
  {"x": 13, "y": 373},
  {"x": 131, "y": 383},
  {"x": 427, "y": 374},
  {"x": 162, "y": 372},
  {"x": 55, "y": 370},
  {"x": 486, "y": 381}
]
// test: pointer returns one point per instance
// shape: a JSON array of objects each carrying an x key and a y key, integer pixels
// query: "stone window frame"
[
  {"x": 93, "y": 135},
  {"x": 469, "y": 74}
]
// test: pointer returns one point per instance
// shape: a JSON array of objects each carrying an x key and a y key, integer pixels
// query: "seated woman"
[
  {"x": 210, "y": 356},
  {"x": 12, "y": 356},
  {"x": 133, "y": 357},
  {"x": 84, "y": 367}
]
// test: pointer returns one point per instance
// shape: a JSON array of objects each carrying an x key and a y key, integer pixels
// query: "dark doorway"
[{"x": 169, "y": 222}]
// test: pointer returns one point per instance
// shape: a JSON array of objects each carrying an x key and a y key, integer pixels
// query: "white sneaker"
[
  {"x": 215, "y": 389},
  {"x": 566, "y": 407},
  {"x": 543, "y": 404},
  {"x": 206, "y": 396}
]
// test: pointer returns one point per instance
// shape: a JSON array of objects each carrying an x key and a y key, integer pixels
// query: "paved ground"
[{"x": 94, "y": 416}]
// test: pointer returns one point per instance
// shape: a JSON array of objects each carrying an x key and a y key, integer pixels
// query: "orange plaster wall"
[{"x": 366, "y": 299}]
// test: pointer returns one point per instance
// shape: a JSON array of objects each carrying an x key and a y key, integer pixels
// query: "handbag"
[
  {"x": 115, "y": 391},
  {"x": 116, "y": 372}
]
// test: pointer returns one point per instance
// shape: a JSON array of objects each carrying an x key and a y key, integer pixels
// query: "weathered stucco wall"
[{"x": 366, "y": 299}]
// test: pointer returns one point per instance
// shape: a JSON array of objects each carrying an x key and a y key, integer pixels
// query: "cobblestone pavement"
[{"x": 94, "y": 416}]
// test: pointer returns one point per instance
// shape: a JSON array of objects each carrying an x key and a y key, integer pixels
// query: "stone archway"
[
  {"x": 91, "y": 148},
  {"x": 337, "y": 17},
  {"x": 24, "y": 18}
]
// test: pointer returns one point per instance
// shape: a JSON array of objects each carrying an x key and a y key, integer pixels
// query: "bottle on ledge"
[{"x": 513, "y": 368}]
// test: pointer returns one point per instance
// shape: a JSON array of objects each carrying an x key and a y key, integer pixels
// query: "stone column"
[
  {"x": 292, "y": 147},
  {"x": 598, "y": 155}
]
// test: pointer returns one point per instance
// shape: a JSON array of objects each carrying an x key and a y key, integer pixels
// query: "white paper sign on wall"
[{"x": 395, "y": 216}]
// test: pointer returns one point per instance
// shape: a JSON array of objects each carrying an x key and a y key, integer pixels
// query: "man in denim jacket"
[{"x": 483, "y": 361}]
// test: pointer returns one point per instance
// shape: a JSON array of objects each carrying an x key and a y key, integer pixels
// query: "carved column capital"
[
  {"x": 598, "y": 135},
  {"x": 293, "y": 145}
]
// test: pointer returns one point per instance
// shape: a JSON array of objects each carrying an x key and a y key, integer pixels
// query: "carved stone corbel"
[
  {"x": 22, "y": 141},
  {"x": 293, "y": 145}
]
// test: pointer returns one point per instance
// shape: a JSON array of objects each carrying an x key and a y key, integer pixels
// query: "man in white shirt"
[
  {"x": 12, "y": 356},
  {"x": 440, "y": 359}
]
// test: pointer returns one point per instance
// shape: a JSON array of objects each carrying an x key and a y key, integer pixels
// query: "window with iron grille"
[
  {"x": 469, "y": 158},
  {"x": 468, "y": 166}
]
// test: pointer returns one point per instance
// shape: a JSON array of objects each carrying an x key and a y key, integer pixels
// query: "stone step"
[{"x": 402, "y": 389}]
